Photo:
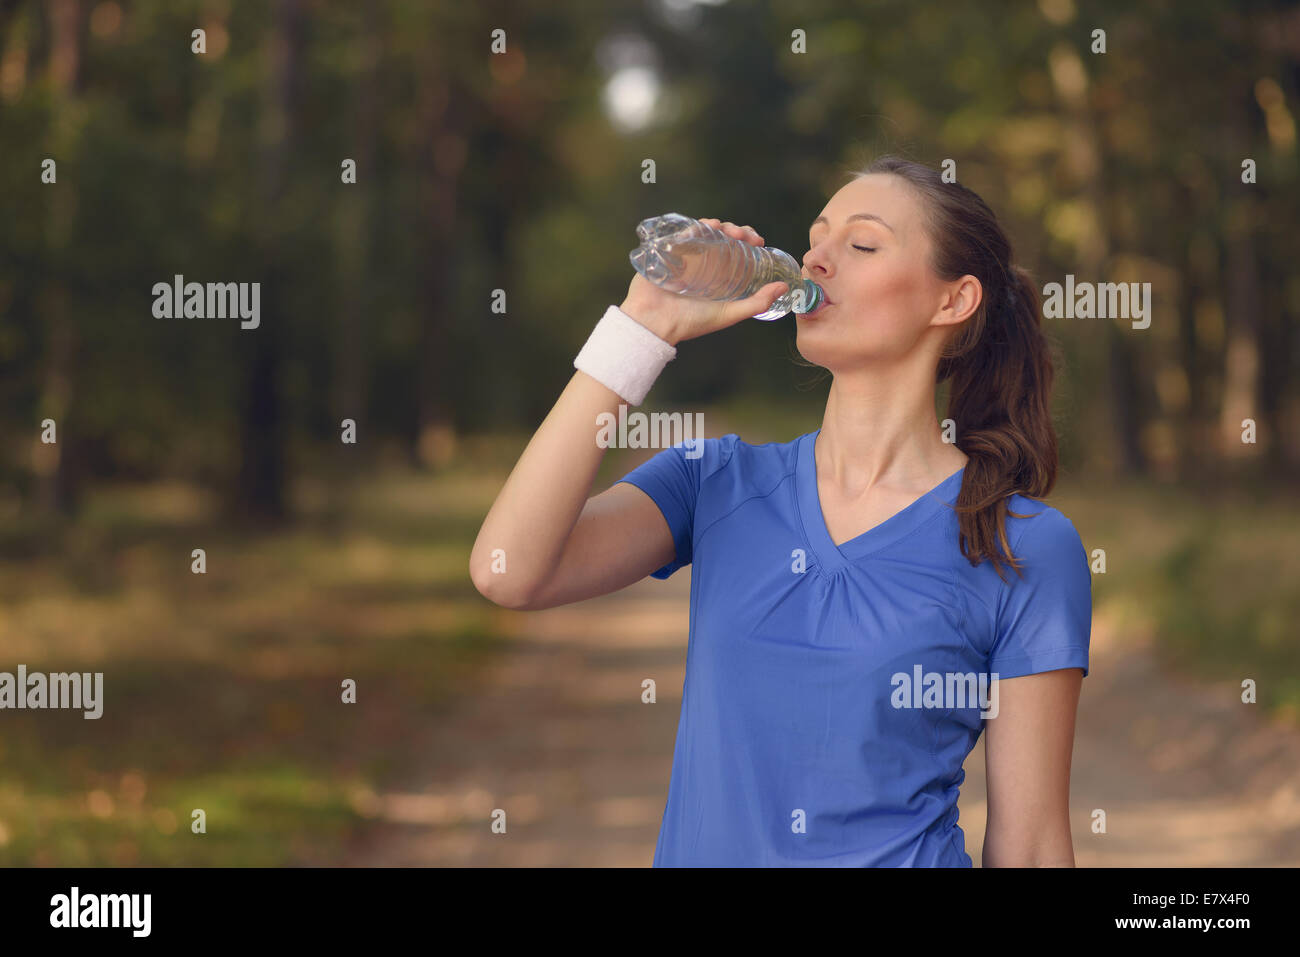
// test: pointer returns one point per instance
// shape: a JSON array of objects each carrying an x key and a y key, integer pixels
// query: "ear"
[{"x": 960, "y": 300}]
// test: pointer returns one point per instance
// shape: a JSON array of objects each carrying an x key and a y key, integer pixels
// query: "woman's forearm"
[{"x": 525, "y": 531}]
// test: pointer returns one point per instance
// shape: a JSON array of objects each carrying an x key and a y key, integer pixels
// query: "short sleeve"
[
  {"x": 1044, "y": 619},
  {"x": 672, "y": 478}
]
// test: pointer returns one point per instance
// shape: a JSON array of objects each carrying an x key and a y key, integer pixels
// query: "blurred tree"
[
  {"x": 260, "y": 493},
  {"x": 57, "y": 466},
  {"x": 521, "y": 171}
]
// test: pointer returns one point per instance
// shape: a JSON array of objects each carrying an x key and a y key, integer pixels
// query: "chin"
[
  {"x": 826, "y": 346},
  {"x": 815, "y": 344}
]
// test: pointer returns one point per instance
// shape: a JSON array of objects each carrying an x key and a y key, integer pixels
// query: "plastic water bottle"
[{"x": 685, "y": 256}]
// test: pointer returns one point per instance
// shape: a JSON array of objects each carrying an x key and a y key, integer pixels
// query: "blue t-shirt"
[{"x": 833, "y": 692}]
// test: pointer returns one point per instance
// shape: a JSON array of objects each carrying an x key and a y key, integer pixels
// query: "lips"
[{"x": 822, "y": 305}]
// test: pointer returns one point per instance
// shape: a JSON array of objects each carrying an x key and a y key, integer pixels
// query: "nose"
[{"x": 816, "y": 264}]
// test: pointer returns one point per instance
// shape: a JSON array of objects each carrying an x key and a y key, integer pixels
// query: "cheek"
[
  {"x": 897, "y": 297},
  {"x": 891, "y": 282},
  {"x": 889, "y": 310}
]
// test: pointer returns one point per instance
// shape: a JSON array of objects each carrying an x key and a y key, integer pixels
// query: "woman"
[{"x": 851, "y": 591}]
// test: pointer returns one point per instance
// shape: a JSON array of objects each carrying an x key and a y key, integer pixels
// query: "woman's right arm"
[
  {"x": 544, "y": 542},
  {"x": 557, "y": 545}
]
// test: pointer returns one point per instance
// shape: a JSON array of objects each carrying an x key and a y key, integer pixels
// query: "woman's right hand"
[{"x": 676, "y": 318}]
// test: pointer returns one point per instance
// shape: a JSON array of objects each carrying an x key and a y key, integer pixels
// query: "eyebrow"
[{"x": 872, "y": 216}]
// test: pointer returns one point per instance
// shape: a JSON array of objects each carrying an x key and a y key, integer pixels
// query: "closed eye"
[{"x": 865, "y": 249}]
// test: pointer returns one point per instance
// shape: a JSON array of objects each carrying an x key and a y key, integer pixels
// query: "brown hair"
[{"x": 999, "y": 360}]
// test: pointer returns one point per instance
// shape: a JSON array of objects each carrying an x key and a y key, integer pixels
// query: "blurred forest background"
[{"x": 522, "y": 171}]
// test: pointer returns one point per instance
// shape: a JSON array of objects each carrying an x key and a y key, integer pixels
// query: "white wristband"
[{"x": 624, "y": 356}]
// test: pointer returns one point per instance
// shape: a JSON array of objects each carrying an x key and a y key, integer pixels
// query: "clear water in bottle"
[{"x": 686, "y": 256}]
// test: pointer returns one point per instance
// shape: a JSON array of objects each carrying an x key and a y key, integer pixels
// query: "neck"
[{"x": 880, "y": 429}]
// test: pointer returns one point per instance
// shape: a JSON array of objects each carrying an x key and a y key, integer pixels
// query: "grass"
[
  {"x": 1210, "y": 575},
  {"x": 222, "y": 691}
]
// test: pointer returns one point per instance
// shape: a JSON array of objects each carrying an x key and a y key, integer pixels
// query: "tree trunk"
[
  {"x": 1241, "y": 395},
  {"x": 56, "y": 466},
  {"x": 353, "y": 242},
  {"x": 445, "y": 141},
  {"x": 1087, "y": 161},
  {"x": 262, "y": 483}
]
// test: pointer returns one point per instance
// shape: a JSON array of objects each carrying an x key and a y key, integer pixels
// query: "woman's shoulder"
[
  {"x": 732, "y": 451},
  {"x": 731, "y": 465},
  {"x": 1041, "y": 530},
  {"x": 1054, "y": 568},
  {"x": 774, "y": 449},
  {"x": 756, "y": 460},
  {"x": 1042, "y": 539}
]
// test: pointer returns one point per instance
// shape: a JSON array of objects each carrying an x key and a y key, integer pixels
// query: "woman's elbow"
[{"x": 517, "y": 591}]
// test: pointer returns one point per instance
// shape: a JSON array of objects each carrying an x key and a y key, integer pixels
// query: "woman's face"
[{"x": 876, "y": 274}]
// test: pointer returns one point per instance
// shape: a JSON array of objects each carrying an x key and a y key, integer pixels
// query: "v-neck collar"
[{"x": 832, "y": 557}]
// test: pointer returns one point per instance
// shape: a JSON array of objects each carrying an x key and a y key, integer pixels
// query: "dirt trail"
[{"x": 558, "y": 738}]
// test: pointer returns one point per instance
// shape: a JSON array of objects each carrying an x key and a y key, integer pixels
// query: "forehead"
[{"x": 883, "y": 194}]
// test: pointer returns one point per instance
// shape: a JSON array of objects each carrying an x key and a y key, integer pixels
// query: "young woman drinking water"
[{"x": 866, "y": 599}]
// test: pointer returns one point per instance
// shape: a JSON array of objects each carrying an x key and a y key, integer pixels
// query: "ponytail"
[{"x": 999, "y": 362}]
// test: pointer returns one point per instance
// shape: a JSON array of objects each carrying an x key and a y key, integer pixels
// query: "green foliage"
[
  {"x": 1221, "y": 613},
  {"x": 480, "y": 172}
]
